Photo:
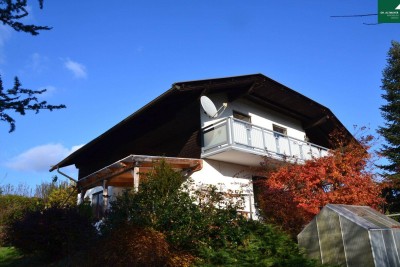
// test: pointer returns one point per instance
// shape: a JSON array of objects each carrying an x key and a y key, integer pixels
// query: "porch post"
[
  {"x": 105, "y": 196},
  {"x": 135, "y": 175},
  {"x": 82, "y": 197}
]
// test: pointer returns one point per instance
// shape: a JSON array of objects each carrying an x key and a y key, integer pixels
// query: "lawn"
[{"x": 9, "y": 256}]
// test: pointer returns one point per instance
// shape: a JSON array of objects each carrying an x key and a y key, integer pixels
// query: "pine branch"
[
  {"x": 21, "y": 100},
  {"x": 11, "y": 11}
]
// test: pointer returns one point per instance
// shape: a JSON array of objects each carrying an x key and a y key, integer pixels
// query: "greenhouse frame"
[{"x": 347, "y": 235}]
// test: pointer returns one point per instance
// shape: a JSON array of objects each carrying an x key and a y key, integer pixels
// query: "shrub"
[
  {"x": 53, "y": 232},
  {"x": 13, "y": 208},
  {"x": 130, "y": 246},
  {"x": 260, "y": 245},
  {"x": 57, "y": 193}
]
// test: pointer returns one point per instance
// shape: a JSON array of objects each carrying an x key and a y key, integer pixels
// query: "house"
[
  {"x": 348, "y": 235},
  {"x": 261, "y": 118}
]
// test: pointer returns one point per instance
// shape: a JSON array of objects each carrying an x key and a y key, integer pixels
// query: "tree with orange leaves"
[{"x": 292, "y": 194}]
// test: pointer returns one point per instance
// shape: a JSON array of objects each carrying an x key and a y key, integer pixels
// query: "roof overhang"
[{"x": 121, "y": 173}]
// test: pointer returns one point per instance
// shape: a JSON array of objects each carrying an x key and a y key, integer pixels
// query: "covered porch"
[{"x": 127, "y": 173}]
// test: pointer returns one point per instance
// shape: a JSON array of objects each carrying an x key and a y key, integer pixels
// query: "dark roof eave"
[{"x": 67, "y": 161}]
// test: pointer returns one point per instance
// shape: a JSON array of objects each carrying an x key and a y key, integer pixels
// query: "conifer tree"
[
  {"x": 21, "y": 100},
  {"x": 18, "y": 99},
  {"x": 11, "y": 13},
  {"x": 391, "y": 113}
]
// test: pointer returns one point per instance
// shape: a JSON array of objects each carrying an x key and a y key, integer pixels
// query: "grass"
[{"x": 9, "y": 256}]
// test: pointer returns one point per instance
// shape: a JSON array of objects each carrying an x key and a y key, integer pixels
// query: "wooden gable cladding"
[
  {"x": 123, "y": 172},
  {"x": 169, "y": 129}
]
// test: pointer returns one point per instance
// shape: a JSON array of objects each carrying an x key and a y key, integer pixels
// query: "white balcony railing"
[{"x": 231, "y": 133}]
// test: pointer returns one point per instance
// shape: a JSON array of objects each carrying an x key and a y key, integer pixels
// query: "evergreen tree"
[
  {"x": 19, "y": 99},
  {"x": 391, "y": 113},
  {"x": 11, "y": 13}
]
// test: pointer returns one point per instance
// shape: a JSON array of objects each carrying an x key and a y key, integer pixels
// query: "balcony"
[{"x": 236, "y": 141}]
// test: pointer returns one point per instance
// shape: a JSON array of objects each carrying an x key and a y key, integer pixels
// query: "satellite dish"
[{"x": 209, "y": 107}]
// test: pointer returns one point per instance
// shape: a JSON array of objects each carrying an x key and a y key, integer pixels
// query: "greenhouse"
[{"x": 356, "y": 236}]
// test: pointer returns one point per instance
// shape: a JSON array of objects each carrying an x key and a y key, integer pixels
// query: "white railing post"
[
  {"x": 249, "y": 128},
  {"x": 290, "y": 147},
  {"x": 263, "y": 139},
  {"x": 301, "y": 151},
  {"x": 229, "y": 125},
  {"x": 277, "y": 143}
]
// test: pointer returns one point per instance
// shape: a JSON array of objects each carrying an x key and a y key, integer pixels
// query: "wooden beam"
[
  {"x": 96, "y": 178},
  {"x": 121, "y": 172},
  {"x": 121, "y": 184},
  {"x": 120, "y": 179},
  {"x": 105, "y": 196},
  {"x": 136, "y": 176},
  {"x": 82, "y": 197}
]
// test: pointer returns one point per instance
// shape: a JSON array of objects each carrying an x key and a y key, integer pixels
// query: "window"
[
  {"x": 257, "y": 189},
  {"x": 278, "y": 130},
  {"x": 97, "y": 204},
  {"x": 241, "y": 116}
]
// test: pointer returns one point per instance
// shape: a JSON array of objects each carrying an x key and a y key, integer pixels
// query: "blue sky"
[{"x": 106, "y": 60}]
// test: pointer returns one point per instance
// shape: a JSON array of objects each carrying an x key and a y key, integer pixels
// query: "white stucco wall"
[
  {"x": 112, "y": 192},
  {"x": 228, "y": 176},
  {"x": 89, "y": 193}
]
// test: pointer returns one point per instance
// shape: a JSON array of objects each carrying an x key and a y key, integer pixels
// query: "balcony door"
[
  {"x": 241, "y": 116},
  {"x": 242, "y": 129},
  {"x": 282, "y": 142}
]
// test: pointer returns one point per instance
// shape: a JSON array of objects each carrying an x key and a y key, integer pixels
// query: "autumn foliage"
[
  {"x": 292, "y": 194},
  {"x": 131, "y": 246}
]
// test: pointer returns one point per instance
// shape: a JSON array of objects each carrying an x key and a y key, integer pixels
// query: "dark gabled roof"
[{"x": 317, "y": 120}]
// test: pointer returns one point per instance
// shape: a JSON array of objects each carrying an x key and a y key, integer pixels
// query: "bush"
[
  {"x": 13, "y": 208},
  {"x": 261, "y": 245},
  {"x": 53, "y": 232},
  {"x": 130, "y": 246},
  {"x": 57, "y": 193}
]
